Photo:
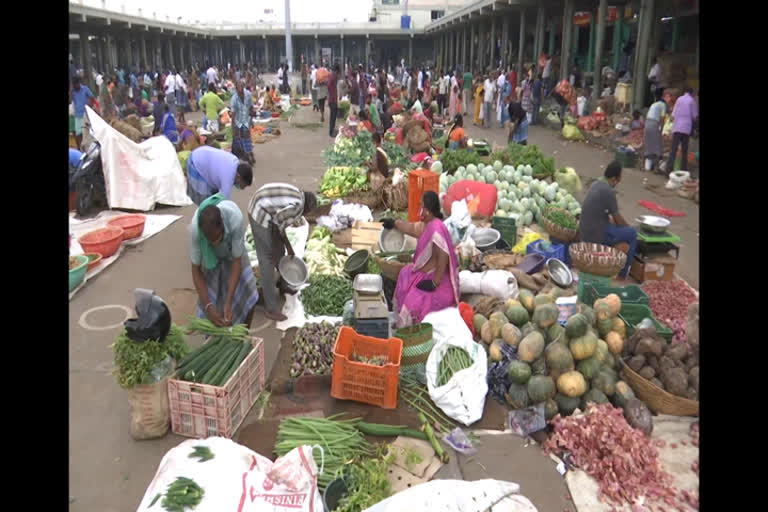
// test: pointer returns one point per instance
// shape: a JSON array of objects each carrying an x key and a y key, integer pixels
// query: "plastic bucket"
[
  {"x": 335, "y": 491},
  {"x": 357, "y": 263}
]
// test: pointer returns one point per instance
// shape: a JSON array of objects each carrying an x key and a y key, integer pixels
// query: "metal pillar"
[
  {"x": 143, "y": 45},
  {"x": 591, "y": 51},
  {"x": 601, "y": 16},
  {"x": 480, "y": 47},
  {"x": 110, "y": 66},
  {"x": 85, "y": 52},
  {"x": 182, "y": 60},
  {"x": 539, "y": 46},
  {"x": 368, "y": 52},
  {"x": 128, "y": 53},
  {"x": 266, "y": 53},
  {"x": 566, "y": 43},
  {"x": 464, "y": 66},
  {"x": 640, "y": 77},
  {"x": 493, "y": 43},
  {"x": 342, "y": 53},
  {"x": 317, "y": 50},
  {"x": 505, "y": 42},
  {"x": 618, "y": 28},
  {"x": 99, "y": 56},
  {"x": 521, "y": 49},
  {"x": 472, "y": 65},
  {"x": 289, "y": 42},
  {"x": 552, "y": 28},
  {"x": 410, "y": 52},
  {"x": 457, "y": 50}
]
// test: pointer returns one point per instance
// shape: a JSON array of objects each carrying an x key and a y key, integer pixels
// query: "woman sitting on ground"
[
  {"x": 431, "y": 282},
  {"x": 457, "y": 138}
]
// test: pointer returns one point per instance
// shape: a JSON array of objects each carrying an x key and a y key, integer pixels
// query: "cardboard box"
[{"x": 655, "y": 268}]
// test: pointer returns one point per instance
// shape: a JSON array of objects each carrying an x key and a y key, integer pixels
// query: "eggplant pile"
[{"x": 313, "y": 349}]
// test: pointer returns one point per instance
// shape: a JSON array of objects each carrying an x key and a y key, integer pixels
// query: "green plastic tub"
[
  {"x": 77, "y": 274},
  {"x": 633, "y": 314}
]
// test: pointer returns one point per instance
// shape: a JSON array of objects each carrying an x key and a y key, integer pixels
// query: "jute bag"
[{"x": 150, "y": 416}]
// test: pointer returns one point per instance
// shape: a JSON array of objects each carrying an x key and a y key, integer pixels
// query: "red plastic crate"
[
  {"x": 362, "y": 382},
  {"x": 419, "y": 181},
  {"x": 202, "y": 410}
]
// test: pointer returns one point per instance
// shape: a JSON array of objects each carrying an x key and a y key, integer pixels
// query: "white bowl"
[{"x": 391, "y": 240}]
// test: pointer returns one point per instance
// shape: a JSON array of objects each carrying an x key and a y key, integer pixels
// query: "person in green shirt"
[
  {"x": 467, "y": 92},
  {"x": 210, "y": 104}
]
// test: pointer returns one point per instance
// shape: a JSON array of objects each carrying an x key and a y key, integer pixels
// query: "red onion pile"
[
  {"x": 669, "y": 304},
  {"x": 622, "y": 459}
]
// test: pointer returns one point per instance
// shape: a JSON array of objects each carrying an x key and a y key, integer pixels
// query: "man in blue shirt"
[
  {"x": 536, "y": 98},
  {"x": 74, "y": 157},
  {"x": 80, "y": 96},
  {"x": 120, "y": 76}
]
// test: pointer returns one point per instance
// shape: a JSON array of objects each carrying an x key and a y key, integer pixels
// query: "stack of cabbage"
[{"x": 520, "y": 196}]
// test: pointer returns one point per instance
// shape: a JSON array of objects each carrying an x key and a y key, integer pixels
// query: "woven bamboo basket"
[
  {"x": 584, "y": 259},
  {"x": 391, "y": 267},
  {"x": 658, "y": 400},
  {"x": 559, "y": 232}
]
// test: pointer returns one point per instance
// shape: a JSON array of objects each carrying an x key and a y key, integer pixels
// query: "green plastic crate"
[
  {"x": 627, "y": 159},
  {"x": 633, "y": 314},
  {"x": 630, "y": 294},
  {"x": 507, "y": 227},
  {"x": 586, "y": 281}
]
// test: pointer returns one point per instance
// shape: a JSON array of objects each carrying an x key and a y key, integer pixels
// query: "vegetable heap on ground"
[
  {"x": 133, "y": 361},
  {"x": 341, "y": 181},
  {"x": 520, "y": 196},
  {"x": 455, "y": 159},
  {"x": 313, "y": 349},
  {"x": 326, "y": 295},
  {"x": 622, "y": 459},
  {"x": 340, "y": 439},
  {"x": 354, "y": 152},
  {"x": 396, "y": 154},
  {"x": 669, "y": 301},
  {"x": 416, "y": 396},
  {"x": 217, "y": 360},
  {"x": 367, "y": 484},
  {"x": 564, "y": 367},
  {"x": 322, "y": 256},
  {"x": 531, "y": 155}
]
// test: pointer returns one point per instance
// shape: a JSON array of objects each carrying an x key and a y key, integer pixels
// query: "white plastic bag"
[
  {"x": 240, "y": 479},
  {"x": 463, "y": 397},
  {"x": 447, "y": 323},
  {"x": 458, "y": 496},
  {"x": 343, "y": 216},
  {"x": 500, "y": 284},
  {"x": 459, "y": 221}
]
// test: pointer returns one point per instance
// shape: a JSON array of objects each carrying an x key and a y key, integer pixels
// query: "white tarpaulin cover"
[{"x": 138, "y": 176}]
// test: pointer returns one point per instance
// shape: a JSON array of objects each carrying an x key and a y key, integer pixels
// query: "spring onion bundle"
[{"x": 237, "y": 332}]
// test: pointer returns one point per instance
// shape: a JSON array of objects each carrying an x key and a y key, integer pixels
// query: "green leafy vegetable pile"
[
  {"x": 454, "y": 158},
  {"x": 561, "y": 218},
  {"x": 341, "y": 181},
  {"x": 396, "y": 154},
  {"x": 133, "y": 361},
  {"x": 367, "y": 484},
  {"x": 531, "y": 155},
  {"x": 354, "y": 152},
  {"x": 326, "y": 295}
]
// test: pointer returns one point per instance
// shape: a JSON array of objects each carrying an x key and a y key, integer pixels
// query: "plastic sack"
[
  {"x": 397, "y": 177},
  {"x": 572, "y": 132},
  {"x": 527, "y": 421},
  {"x": 568, "y": 179},
  {"x": 240, "y": 479},
  {"x": 465, "y": 310},
  {"x": 150, "y": 412},
  {"x": 460, "y": 442},
  {"x": 458, "y": 221},
  {"x": 553, "y": 117},
  {"x": 463, "y": 397},
  {"x": 667, "y": 130},
  {"x": 483, "y": 194},
  {"x": 499, "y": 284},
  {"x": 521, "y": 246},
  {"x": 458, "y": 496},
  {"x": 343, "y": 216}
]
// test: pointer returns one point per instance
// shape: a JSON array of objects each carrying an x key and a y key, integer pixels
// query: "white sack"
[
  {"x": 138, "y": 176},
  {"x": 499, "y": 284}
]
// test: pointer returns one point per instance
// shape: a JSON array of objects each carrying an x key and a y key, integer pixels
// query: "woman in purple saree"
[{"x": 431, "y": 282}]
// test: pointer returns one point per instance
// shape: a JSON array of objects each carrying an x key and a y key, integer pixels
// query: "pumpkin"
[
  {"x": 556, "y": 333},
  {"x": 550, "y": 409},
  {"x": 495, "y": 350},
  {"x": 512, "y": 303},
  {"x": 558, "y": 357},
  {"x": 602, "y": 351},
  {"x": 567, "y": 404},
  {"x": 527, "y": 300},
  {"x": 541, "y": 388},
  {"x": 478, "y": 321},
  {"x": 622, "y": 394},
  {"x": 587, "y": 312},
  {"x": 511, "y": 334},
  {"x": 545, "y": 315},
  {"x": 620, "y": 327},
  {"x": 543, "y": 298},
  {"x": 589, "y": 367},
  {"x": 593, "y": 395},
  {"x": 518, "y": 315},
  {"x": 518, "y": 372},
  {"x": 610, "y": 371},
  {"x": 602, "y": 310},
  {"x": 539, "y": 366},
  {"x": 517, "y": 396},
  {"x": 528, "y": 329},
  {"x": 615, "y": 342},
  {"x": 497, "y": 321},
  {"x": 486, "y": 332},
  {"x": 604, "y": 327},
  {"x": 531, "y": 347},
  {"x": 614, "y": 302},
  {"x": 576, "y": 326},
  {"x": 583, "y": 347},
  {"x": 499, "y": 316},
  {"x": 572, "y": 384},
  {"x": 605, "y": 382}
]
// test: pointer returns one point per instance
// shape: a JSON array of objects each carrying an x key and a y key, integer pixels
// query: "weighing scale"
[
  {"x": 369, "y": 299},
  {"x": 655, "y": 243}
]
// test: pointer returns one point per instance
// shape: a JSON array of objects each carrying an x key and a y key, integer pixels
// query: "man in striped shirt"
[{"x": 274, "y": 207}]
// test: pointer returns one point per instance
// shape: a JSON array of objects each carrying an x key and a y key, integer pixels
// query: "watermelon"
[
  {"x": 517, "y": 396},
  {"x": 567, "y": 404},
  {"x": 518, "y": 372},
  {"x": 576, "y": 326},
  {"x": 541, "y": 388},
  {"x": 518, "y": 315}
]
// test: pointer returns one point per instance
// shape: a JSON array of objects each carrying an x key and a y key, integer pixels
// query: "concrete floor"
[{"x": 109, "y": 471}]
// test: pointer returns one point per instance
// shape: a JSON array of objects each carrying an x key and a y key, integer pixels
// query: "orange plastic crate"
[
  {"x": 419, "y": 181},
  {"x": 361, "y": 382},
  {"x": 202, "y": 410}
]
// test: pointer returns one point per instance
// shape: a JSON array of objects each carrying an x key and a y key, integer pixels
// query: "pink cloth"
[
  {"x": 412, "y": 304},
  {"x": 453, "y": 105}
]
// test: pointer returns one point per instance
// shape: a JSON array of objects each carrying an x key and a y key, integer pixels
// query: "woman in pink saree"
[{"x": 431, "y": 282}]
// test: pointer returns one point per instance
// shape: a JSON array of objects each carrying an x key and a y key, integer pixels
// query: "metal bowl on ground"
[
  {"x": 391, "y": 240},
  {"x": 653, "y": 223},
  {"x": 293, "y": 270},
  {"x": 559, "y": 272},
  {"x": 486, "y": 238}
]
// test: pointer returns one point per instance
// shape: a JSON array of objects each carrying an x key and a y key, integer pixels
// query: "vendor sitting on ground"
[
  {"x": 168, "y": 125},
  {"x": 431, "y": 282},
  {"x": 417, "y": 107},
  {"x": 598, "y": 209},
  {"x": 211, "y": 171},
  {"x": 268, "y": 103},
  {"x": 379, "y": 165},
  {"x": 273, "y": 208},
  {"x": 365, "y": 122},
  {"x": 221, "y": 271},
  {"x": 457, "y": 138}
]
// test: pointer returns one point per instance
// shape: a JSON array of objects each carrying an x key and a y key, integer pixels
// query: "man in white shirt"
[
  {"x": 313, "y": 88},
  {"x": 490, "y": 89},
  {"x": 654, "y": 78},
  {"x": 280, "y": 74},
  {"x": 211, "y": 76},
  {"x": 420, "y": 85},
  {"x": 99, "y": 80},
  {"x": 170, "y": 88},
  {"x": 442, "y": 91}
]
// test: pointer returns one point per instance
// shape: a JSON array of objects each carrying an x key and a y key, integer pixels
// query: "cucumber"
[
  {"x": 247, "y": 346},
  {"x": 376, "y": 429},
  {"x": 206, "y": 365},
  {"x": 222, "y": 360},
  {"x": 200, "y": 355},
  {"x": 199, "y": 350},
  {"x": 229, "y": 359}
]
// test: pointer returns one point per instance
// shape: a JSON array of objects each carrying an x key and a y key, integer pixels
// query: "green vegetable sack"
[
  {"x": 572, "y": 132},
  {"x": 567, "y": 178}
]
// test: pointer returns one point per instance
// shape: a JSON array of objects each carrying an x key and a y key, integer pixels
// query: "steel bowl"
[
  {"x": 559, "y": 272},
  {"x": 653, "y": 223},
  {"x": 486, "y": 238},
  {"x": 392, "y": 240},
  {"x": 293, "y": 270},
  {"x": 368, "y": 283}
]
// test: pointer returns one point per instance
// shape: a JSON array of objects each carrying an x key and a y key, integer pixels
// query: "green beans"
[
  {"x": 454, "y": 360},
  {"x": 182, "y": 493},
  {"x": 326, "y": 295}
]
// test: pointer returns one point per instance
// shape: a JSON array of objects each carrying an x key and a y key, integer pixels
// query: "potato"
[
  {"x": 677, "y": 351},
  {"x": 693, "y": 360},
  {"x": 636, "y": 363},
  {"x": 649, "y": 345},
  {"x": 675, "y": 381},
  {"x": 647, "y": 372},
  {"x": 656, "y": 382},
  {"x": 653, "y": 362},
  {"x": 693, "y": 378},
  {"x": 666, "y": 363}
]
